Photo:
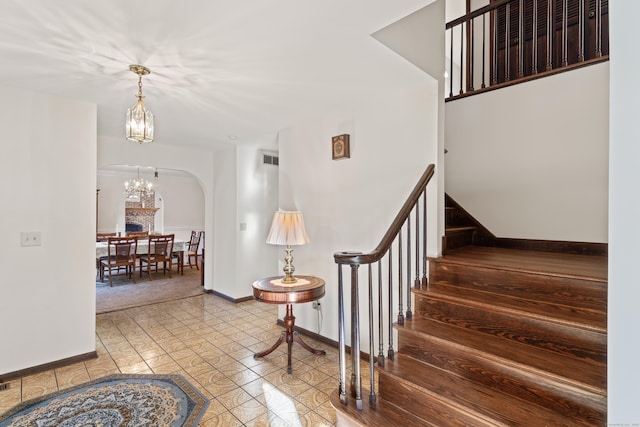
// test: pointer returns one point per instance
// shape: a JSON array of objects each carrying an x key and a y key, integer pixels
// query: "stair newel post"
[
  {"x": 356, "y": 378},
  {"x": 409, "y": 313},
  {"x": 400, "y": 307},
  {"x": 416, "y": 282},
  {"x": 390, "y": 352},
  {"x": 425, "y": 281},
  {"x": 372, "y": 392},
  {"x": 342, "y": 388},
  {"x": 380, "y": 318}
]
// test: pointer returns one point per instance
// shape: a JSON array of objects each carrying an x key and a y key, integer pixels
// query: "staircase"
[
  {"x": 462, "y": 229},
  {"x": 500, "y": 337}
]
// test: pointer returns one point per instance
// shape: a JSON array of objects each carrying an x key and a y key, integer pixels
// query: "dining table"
[{"x": 179, "y": 246}]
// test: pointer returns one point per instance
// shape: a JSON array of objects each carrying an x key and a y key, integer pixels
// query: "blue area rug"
[{"x": 112, "y": 401}]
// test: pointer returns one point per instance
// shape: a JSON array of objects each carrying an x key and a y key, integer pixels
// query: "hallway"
[{"x": 211, "y": 342}]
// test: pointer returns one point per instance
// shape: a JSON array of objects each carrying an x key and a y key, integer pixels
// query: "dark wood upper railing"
[
  {"x": 415, "y": 266},
  {"x": 512, "y": 41}
]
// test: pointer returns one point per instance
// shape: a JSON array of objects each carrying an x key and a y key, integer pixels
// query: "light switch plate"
[{"x": 30, "y": 238}]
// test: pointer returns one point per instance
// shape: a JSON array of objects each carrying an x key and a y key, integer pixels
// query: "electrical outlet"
[
  {"x": 316, "y": 305},
  {"x": 30, "y": 238}
]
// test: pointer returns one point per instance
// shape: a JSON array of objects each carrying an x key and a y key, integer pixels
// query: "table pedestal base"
[{"x": 289, "y": 336}]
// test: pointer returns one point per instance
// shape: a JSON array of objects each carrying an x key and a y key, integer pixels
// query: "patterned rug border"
[{"x": 177, "y": 379}]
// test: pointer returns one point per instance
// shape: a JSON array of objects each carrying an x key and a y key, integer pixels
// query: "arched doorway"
[{"x": 175, "y": 207}]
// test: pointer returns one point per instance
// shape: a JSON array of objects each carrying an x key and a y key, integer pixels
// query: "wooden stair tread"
[
  {"x": 487, "y": 404},
  {"x": 583, "y": 294},
  {"x": 383, "y": 414},
  {"x": 512, "y": 326},
  {"x": 579, "y": 317},
  {"x": 588, "y": 267},
  {"x": 556, "y": 367}
]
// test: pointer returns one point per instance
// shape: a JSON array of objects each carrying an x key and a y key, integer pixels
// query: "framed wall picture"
[{"x": 340, "y": 147}]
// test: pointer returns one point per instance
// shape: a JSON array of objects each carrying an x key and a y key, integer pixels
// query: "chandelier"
[
  {"x": 139, "y": 126},
  {"x": 136, "y": 187}
]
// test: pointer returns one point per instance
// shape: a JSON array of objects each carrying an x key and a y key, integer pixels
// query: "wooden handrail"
[
  {"x": 394, "y": 229},
  {"x": 475, "y": 13}
]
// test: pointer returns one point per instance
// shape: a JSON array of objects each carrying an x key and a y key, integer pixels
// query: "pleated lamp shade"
[{"x": 287, "y": 228}]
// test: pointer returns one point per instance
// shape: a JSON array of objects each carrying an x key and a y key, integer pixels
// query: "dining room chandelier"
[
  {"x": 139, "y": 123},
  {"x": 135, "y": 188}
]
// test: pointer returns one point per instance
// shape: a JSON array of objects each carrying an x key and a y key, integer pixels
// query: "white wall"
[
  {"x": 224, "y": 244},
  {"x": 530, "y": 161},
  {"x": 48, "y": 175},
  {"x": 198, "y": 162},
  {"x": 246, "y": 196},
  {"x": 624, "y": 211},
  {"x": 257, "y": 200},
  {"x": 418, "y": 38},
  {"x": 181, "y": 209},
  {"x": 348, "y": 204}
]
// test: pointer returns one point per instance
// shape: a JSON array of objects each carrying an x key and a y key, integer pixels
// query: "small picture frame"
[{"x": 340, "y": 147}]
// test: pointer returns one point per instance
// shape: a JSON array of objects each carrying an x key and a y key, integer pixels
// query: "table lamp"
[{"x": 287, "y": 228}]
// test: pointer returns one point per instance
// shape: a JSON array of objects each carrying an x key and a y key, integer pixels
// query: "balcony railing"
[{"x": 512, "y": 41}]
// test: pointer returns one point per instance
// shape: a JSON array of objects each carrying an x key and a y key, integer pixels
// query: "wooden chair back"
[
  {"x": 103, "y": 237},
  {"x": 192, "y": 248},
  {"x": 194, "y": 241},
  {"x": 122, "y": 250},
  {"x": 161, "y": 246},
  {"x": 160, "y": 250}
]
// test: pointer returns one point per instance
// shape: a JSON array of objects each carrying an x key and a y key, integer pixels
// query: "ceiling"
[{"x": 222, "y": 71}]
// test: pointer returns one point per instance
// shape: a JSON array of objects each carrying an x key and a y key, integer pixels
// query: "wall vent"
[{"x": 270, "y": 159}]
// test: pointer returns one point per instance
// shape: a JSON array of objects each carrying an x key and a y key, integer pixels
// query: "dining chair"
[
  {"x": 192, "y": 248},
  {"x": 103, "y": 237},
  {"x": 121, "y": 253},
  {"x": 160, "y": 251}
]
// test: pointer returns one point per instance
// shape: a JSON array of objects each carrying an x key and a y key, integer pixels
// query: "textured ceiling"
[{"x": 223, "y": 71}]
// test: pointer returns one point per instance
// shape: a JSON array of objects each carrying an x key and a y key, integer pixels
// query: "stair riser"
[
  {"x": 581, "y": 344},
  {"x": 423, "y": 405},
  {"x": 571, "y": 292},
  {"x": 588, "y": 319},
  {"x": 543, "y": 391},
  {"x": 456, "y": 399},
  {"x": 459, "y": 239},
  {"x": 455, "y": 217}
]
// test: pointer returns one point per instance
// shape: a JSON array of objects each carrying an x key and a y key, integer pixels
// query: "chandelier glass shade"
[
  {"x": 139, "y": 121},
  {"x": 136, "y": 187}
]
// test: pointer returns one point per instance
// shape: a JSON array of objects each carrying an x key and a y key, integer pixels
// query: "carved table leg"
[{"x": 289, "y": 336}]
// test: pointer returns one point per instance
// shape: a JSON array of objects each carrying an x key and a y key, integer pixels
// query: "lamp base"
[
  {"x": 289, "y": 279},
  {"x": 288, "y": 267}
]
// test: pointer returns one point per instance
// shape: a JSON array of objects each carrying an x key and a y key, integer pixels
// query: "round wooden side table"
[{"x": 272, "y": 291}]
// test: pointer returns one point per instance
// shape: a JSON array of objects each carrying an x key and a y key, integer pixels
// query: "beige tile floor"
[{"x": 211, "y": 343}]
